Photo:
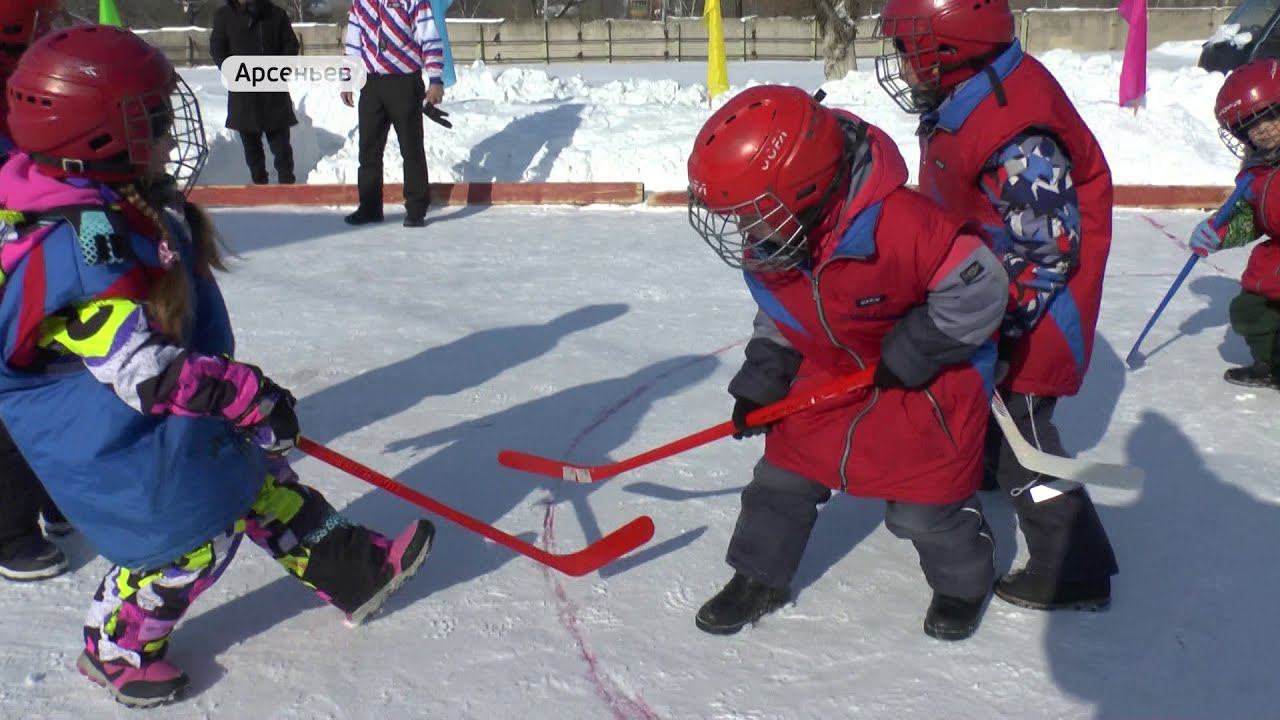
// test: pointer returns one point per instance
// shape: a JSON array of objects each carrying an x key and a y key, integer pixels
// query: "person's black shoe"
[
  {"x": 1258, "y": 374},
  {"x": 31, "y": 557},
  {"x": 363, "y": 217},
  {"x": 1041, "y": 592},
  {"x": 952, "y": 618},
  {"x": 288, "y": 180},
  {"x": 260, "y": 180},
  {"x": 742, "y": 602},
  {"x": 414, "y": 221}
]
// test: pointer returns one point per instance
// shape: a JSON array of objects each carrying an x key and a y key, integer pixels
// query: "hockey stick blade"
[
  {"x": 593, "y": 557},
  {"x": 603, "y": 551},
  {"x": 797, "y": 401},
  {"x": 539, "y": 465},
  {"x": 1089, "y": 472}
]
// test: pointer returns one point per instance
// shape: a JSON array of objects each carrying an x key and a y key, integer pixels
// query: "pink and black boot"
[
  {"x": 406, "y": 554},
  {"x": 158, "y": 681}
]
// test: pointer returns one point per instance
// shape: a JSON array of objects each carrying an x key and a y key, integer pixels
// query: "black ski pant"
[
  {"x": 256, "y": 158},
  {"x": 388, "y": 101},
  {"x": 22, "y": 497},
  {"x": 1065, "y": 537},
  {"x": 780, "y": 508}
]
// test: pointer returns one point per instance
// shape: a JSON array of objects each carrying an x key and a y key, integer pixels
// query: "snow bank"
[{"x": 635, "y": 121}]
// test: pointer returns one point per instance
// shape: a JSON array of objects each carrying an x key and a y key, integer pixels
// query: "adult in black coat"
[{"x": 257, "y": 27}]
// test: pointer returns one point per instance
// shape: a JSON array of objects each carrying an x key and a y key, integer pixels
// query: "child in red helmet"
[
  {"x": 1001, "y": 142},
  {"x": 1248, "y": 111},
  {"x": 25, "y": 553},
  {"x": 849, "y": 269},
  {"x": 22, "y": 22},
  {"x": 117, "y": 380}
]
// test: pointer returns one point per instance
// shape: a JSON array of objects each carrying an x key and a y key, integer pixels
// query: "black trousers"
[
  {"x": 780, "y": 508},
  {"x": 388, "y": 101},
  {"x": 1065, "y": 537},
  {"x": 256, "y": 159},
  {"x": 22, "y": 497}
]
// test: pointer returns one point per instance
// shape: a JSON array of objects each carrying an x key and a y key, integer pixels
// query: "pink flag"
[{"x": 1133, "y": 73}]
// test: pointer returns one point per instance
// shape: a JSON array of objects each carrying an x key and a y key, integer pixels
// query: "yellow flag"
[{"x": 717, "y": 71}]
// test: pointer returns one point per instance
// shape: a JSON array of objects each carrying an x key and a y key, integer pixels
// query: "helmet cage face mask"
[
  {"x": 167, "y": 122},
  {"x": 909, "y": 66},
  {"x": 759, "y": 235},
  {"x": 1236, "y": 137}
]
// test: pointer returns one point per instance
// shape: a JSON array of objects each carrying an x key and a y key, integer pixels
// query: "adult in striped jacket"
[{"x": 398, "y": 41}]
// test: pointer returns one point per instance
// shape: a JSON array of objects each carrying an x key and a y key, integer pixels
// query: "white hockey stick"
[{"x": 1038, "y": 461}]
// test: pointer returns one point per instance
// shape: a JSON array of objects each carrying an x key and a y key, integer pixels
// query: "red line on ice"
[
  {"x": 622, "y": 706},
  {"x": 1177, "y": 240}
]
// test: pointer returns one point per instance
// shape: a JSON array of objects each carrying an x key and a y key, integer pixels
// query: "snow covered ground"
[
  {"x": 636, "y": 121},
  {"x": 597, "y": 333}
]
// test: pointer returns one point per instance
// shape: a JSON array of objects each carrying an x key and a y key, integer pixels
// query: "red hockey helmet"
[
  {"x": 1250, "y": 93},
  {"x": 98, "y": 102},
  {"x": 22, "y": 22},
  {"x": 761, "y": 169},
  {"x": 930, "y": 46}
]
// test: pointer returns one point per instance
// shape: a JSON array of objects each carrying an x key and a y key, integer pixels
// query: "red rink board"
[{"x": 593, "y": 193}]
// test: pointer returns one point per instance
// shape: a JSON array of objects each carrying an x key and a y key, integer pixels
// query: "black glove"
[
  {"x": 283, "y": 419},
  {"x": 885, "y": 379},
  {"x": 741, "y": 408},
  {"x": 1004, "y": 356},
  {"x": 278, "y": 430},
  {"x": 436, "y": 115}
]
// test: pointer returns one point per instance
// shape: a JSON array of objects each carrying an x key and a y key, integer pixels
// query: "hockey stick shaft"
[
  {"x": 1177, "y": 283},
  {"x": 768, "y": 414},
  {"x": 1219, "y": 219},
  {"x": 591, "y": 558}
]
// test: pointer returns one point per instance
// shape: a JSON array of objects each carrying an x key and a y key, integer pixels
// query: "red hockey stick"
[
  {"x": 589, "y": 559},
  {"x": 795, "y": 402}
]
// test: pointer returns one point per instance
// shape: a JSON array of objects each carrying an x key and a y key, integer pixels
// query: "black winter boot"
[
  {"x": 952, "y": 618},
  {"x": 1258, "y": 374},
  {"x": 31, "y": 557},
  {"x": 1042, "y": 592},
  {"x": 742, "y": 602}
]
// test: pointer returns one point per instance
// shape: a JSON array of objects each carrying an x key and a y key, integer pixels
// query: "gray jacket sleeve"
[
  {"x": 965, "y": 303},
  {"x": 770, "y": 366}
]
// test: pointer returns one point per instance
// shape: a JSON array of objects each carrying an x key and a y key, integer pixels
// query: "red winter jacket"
[
  {"x": 974, "y": 123},
  {"x": 893, "y": 279},
  {"x": 1262, "y": 275}
]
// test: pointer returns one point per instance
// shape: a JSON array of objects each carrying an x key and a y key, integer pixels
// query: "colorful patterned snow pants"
[{"x": 134, "y": 611}]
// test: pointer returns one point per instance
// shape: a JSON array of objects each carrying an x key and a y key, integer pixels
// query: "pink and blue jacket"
[{"x": 139, "y": 437}]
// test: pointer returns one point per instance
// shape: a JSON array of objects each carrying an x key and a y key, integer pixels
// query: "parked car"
[{"x": 1247, "y": 34}]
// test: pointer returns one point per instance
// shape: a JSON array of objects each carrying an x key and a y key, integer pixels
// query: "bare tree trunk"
[
  {"x": 571, "y": 4},
  {"x": 837, "y": 19}
]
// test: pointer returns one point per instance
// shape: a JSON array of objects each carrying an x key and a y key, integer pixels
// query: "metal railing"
[
  {"x": 685, "y": 39},
  {"x": 675, "y": 43}
]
